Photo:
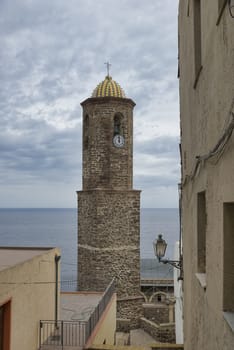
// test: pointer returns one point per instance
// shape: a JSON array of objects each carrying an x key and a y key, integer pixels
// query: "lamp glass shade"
[{"x": 160, "y": 247}]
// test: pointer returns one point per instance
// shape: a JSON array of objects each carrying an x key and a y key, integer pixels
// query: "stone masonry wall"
[
  {"x": 108, "y": 207},
  {"x": 157, "y": 313},
  {"x": 104, "y": 165},
  {"x": 165, "y": 333},
  {"x": 130, "y": 309},
  {"x": 109, "y": 240}
]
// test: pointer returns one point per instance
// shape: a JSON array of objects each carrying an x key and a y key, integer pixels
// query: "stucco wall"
[
  {"x": 178, "y": 293},
  {"x": 104, "y": 333},
  {"x": 205, "y": 113},
  {"x": 31, "y": 291}
]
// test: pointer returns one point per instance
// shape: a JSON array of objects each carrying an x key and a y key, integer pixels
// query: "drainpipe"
[{"x": 56, "y": 259}]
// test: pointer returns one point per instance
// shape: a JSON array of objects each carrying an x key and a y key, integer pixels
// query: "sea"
[{"x": 58, "y": 228}]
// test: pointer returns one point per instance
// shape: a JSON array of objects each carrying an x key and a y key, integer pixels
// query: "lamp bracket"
[{"x": 174, "y": 263}]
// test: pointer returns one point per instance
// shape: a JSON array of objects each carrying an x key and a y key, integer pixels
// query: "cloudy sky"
[{"x": 52, "y": 57}]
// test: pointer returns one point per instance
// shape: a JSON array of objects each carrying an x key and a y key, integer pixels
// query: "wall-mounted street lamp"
[
  {"x": 231, "y": 7},
  {"x": 160, "y": 246}
]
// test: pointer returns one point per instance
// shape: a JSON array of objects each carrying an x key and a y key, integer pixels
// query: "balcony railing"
[{"x": 62, "y": 334}]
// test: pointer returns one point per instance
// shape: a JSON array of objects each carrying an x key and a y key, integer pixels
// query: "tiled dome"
[{"x": 108, "y": 88}]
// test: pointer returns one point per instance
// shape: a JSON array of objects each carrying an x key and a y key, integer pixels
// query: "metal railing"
[
  {"x": 62, "y": 334},
  {"x": 98, "y": 311}
]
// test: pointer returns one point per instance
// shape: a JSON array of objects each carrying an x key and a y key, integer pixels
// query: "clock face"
[{"x": 118, "y": 141}]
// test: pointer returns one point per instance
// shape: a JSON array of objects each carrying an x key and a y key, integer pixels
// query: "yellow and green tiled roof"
[{"x": 108, "y": 88}]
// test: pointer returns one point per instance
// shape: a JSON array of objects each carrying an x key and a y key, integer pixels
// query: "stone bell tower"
[{"x": 108, "y": 207}]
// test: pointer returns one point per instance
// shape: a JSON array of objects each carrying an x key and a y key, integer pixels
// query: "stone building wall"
[
  {"x": 104, "y": 165},
  {"x": 130, "y": 308},
  {"x": 109, "y": 240},
  {"x": 108, "y": 207},
  {"x": 164, "y": 333},
  {"x": 157, "y": 313}
]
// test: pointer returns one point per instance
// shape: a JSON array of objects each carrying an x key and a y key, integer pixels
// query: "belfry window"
[{"x": 117, "y": 124}]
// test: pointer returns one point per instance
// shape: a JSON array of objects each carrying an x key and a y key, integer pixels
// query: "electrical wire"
[{"x": 217, "y": 150}]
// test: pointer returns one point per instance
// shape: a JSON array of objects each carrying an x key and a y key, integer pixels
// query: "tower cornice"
[{"x": 107, "y": 99}]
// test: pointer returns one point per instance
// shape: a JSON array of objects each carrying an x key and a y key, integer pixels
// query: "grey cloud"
[
  {"x": 162, "y": 146},
  {"x": 52, "y": 57},
  {"x": 153, "y": 182},
  {"x": 49, "y": 156}
]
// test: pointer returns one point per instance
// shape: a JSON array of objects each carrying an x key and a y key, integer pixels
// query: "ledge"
[
  {"x": 166, "y": 346},
  {"x": 229, "y": 317},
  {"x": 108, "y": 190},
  {"x": 158, "y": 325},
  {"x": 201, "y": 279},
  {"x": 107, "y": 99}
]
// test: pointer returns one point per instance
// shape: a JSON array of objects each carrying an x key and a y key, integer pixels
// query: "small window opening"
[
  {"x": 201, "y": 232},
  {"x": 197, "y": 39},
  {"x": 228, "y": 257}
]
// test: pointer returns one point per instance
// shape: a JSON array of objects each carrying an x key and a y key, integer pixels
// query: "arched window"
[
  {"x": 86, "y": 131},
  {"x": 117, "y": 124}
]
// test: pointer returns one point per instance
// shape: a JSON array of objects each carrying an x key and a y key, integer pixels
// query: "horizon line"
[{"x": 8, "y": 208}]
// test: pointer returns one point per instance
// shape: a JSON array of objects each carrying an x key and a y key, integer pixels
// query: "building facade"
[
  {"x": 27, "y": 294},
  {"x": 206, "y": 69},
  {"x": 108, "y": 206}
]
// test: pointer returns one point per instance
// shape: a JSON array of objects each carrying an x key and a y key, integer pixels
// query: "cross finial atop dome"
[{"x": 108, "y": 68}]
